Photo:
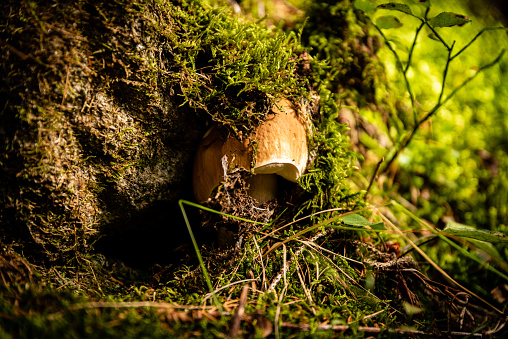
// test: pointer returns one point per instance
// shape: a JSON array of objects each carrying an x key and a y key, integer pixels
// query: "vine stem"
[
  {"x": 404, "y": 70},
  {"x": 476, "y": 37},
  {"x": 399, "y": 66},
  {"x": 413, "y": 47},
  {"x": 439, "y": 104},
  {"x": 445, "y": 74},
  {"x": 198, "y": 254}
]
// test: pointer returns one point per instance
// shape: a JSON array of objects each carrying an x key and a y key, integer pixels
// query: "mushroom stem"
[
  {"x": 281, "y": 149},
  {"x": 263, "y": 187}
]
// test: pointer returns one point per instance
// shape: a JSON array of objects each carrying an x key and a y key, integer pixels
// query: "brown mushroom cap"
[{"x": 281, "y": 148}]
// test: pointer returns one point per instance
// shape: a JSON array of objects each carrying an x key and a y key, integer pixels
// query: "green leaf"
[
  {"x": 388, "y": 22},
  {"x": 424, "y": 3},
  {"x": 394, "y": 6},
  {"x": 365, "y": 5},
  {"x": 465, "y": 231},
  {"x": 411, "y": 309},
  {"x": 449, "y": 19},
  {"x": 378, "y": 226},
  {"x": 488, "y": 248},
  {"x": 358, "y": 220},
  {"x": 434, "y": 37},
  {"x": 355, "y": 220}
]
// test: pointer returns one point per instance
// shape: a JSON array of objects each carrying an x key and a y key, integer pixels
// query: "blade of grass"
[
  {"x": 426, "y": 257},
  {"x": 181, "y": 202},
  {"x": 323, "y": 224},
  {"x": 443, "y": 236},
  {"x": 198, "y": 254},
  {"x": 220, "y": 213},
  {"x": 211, "y": 294},
  {"x": 262, "y": 264}
]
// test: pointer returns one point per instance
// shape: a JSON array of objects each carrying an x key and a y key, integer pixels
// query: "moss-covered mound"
[
  {"x": 103, "y": 105},
  {"x": 90, "y": 135}
]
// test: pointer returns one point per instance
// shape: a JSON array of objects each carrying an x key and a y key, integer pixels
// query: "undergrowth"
[
  {"x": 437, "y": 162},
  {"x": 354, "y": 257}
]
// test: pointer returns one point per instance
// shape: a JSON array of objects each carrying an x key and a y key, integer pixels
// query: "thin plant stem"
[
  {"x": 484, "y": 67},
  {"x": 445, "y": 74},
  {"x": 407, "y": 140},
  {"x": 198, "y": 254},
  {"x": 437, "y": 35},
  {"x": 452, "y": 94},
  {"x": 415, "y": 111},
  {"x": 373, "y": 178},
  {"x": 399, "y": 66},
  {"x": 476, "y": 37},
  {"x": 411, "y": 50}
]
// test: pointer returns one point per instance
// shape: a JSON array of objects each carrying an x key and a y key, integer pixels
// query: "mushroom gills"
[{"x": 286, "y": 170}]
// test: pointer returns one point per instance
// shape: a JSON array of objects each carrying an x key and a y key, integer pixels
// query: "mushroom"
[{"x": 281, "y": 148}]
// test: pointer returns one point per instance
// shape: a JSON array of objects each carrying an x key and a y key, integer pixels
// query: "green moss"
[
  {"x": 228, "y": 67},
  {"x": 344, "y": 72},
  {"x": 45, "y": 311},
  {"x": 343, "y": 52},
  {"x": 327, "y": 179}
]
